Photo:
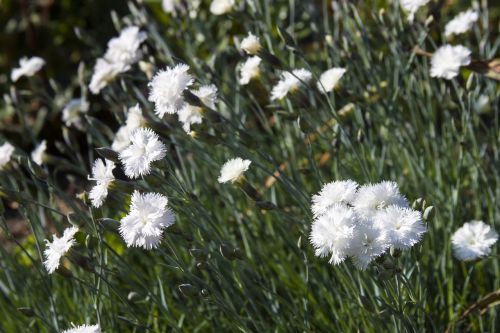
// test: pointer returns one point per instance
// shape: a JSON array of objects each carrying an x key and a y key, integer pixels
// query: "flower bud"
[
  {"x": 109, "y": 224},
  {"x": 417, "y": 204},
  {"x": 37, "y": 170},
  {"x": 198, "y": 254},
  {"x": 75, "y": 219},
  {"x": 188, "y": 289},
  {"x": 108, "y": 153},
  {"x": 251, "y": 44},
  {"x": 429, "y": 213},
  {"x": 28, "y": 312}
]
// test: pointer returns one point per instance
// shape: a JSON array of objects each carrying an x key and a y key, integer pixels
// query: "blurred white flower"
[
  {"x": 249, "y": 70},
  {"x": 403, "y": 226},
  {"x": 461, "y": 23},
  {"x": 57, "y": 248},
  {"x": 6, "y": 151},
  {"x": 121, "y": 139},
  {"x": 124, "y": 49},
  {"x": 233, "y": 169},
  {"x": 84, "y": 329},
  {"x": 329, "y": 79},
  {"x": 144, "y": 224},
  {"x": 170, "y": 6},
  {"x": 290, "y": 82},
  {"x": 167, "y": 87},
  {"x": 134, "y": 120},
  {"x": 145, "y": 148},
  {"x": 342, "y": 191},
  {"x": 368, "y": 243},
  {"x": 102, "y": 173},
  {"x": 72, "y": 112},
  {"x": 38, "y": 153},
  {"x": 473, "y": 240},
  {"x": 191, "y": 114},
  {"x": 373, "y": 197},
  {"x": 412, "y": 6},
  {"x": 27, "y": 67},
  {"x": 219, "y": 7},
  {"x": 447, "y": 60},
  {"x": 251, "y": 44},
  {"x": 104, "y": 73},
  {"x": 332, "y": 232}
]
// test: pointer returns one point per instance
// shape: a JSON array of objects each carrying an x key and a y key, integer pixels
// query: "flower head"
[
  {"x": 104, "y": 73},
  {"x": 170, "y": 6},
  {"x": 329, "y": 79},
  {"x": 144, "y": 224},
  {"x": 342, "y": 191},
  {"x": 368, "y": 243},
  {"x": 233, "y": 169},
  {"x": 412, "y": 6},
  {"x": 219, "y": 7},
  {"x": 134, "y": 121},
  {"x": 403, "y": 226},
  {"x": 72, "y": 112},
  {"x": 447, "y": 60},
  {"x": 57, "y": 248},
  {"x": 84, "y": 329},
  {"x": 145, "y": 148},
  {"x": 251, "y": 44},
  {"x": 102, "y": 173},
  {"x": 27, "y": 67},
  {"x": 290, "y": 82},
  {"x": 373, "y": 197},
  {"x": 124, "y": 49},
  {"x": 191, "y": 114},
  {"x": 249, "y": 70},
  {"x": 6, "y": 151},
  {"x": 332, "y": 232},
  {"x": 166, "y": 88},
  {"x": 473, "y": 240},
  {"x": 38, "y": 153},
  {"x": 461, "y": 23}
]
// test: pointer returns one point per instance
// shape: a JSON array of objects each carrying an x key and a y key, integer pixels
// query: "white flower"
[
  {"x": 38, "y": 153},
  {"x": 461, "y": 23},
  {"x": 170, "y": 6},
  {"x": 57, "y": 248},
  {"x": 332, "y": 233},
  {"x": 447, "y": 60},
  {"x": 403, "y": 226},
  {"x": 219, "y": 7},
  {"x": 102, "y": 173},
  {"x": 251, "y": 44},
  {"x": 191, "y": 114},
  {"x": 290, "y": 82},
  {"x": 233, "y": 169},
  {"x": 144, "y": 224},
  {"x": 134, "y": 121},
  {"x": 124, "y": 49},
  {"x": 368, "y": 243},
  {"x": 28, "y": 67},
  {"x": 6, "y": 151},
  {"x": 104, "y": 73},
  {"x": 72, "y": 112},
  {"x": 473, "y": 240},
  {"x": 121, "y": 139},
  {"x": 249, "y": 70},
  {"x": 84, "y": 329},
  {"x": 329, "y": 79},
  {"x": 411, "y": 6},
  {"x": 342, "y": 191},
  {"x": 166, "y": 89},
  {"x": 373, "y": 197},
  {"x": 146, "y": 148}
]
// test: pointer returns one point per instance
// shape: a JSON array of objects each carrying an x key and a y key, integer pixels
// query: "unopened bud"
[
  {"x": 429, "y": 213},
  {"x": 28, "y": 312},
  {"x": 188, "y": 289},
  {"x": 198, "y": 254}
]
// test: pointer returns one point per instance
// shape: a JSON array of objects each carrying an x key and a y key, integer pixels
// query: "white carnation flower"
[
  {"x": 73, "y": 111},
  {"x": 233, "y": 169},
  {"x": 219, "y": 7},
  {"x": 251, "y": 44},
  {"x": 368, "y": 243},
  {"x": 447, "y": 60},
  {"x": 473, "y": 240},
  {"x": 27, "y": 67},
  {"x": 104, "y": 73},
  {"x": 84, "y": 329},
  {"x": 461, "y": 23},
  {"x": 249, "y": 70},
  {"x": 332, "y": 233},
  {"x": 170, "y": 6},
  {"x": 144, "y": 224},
  {"x": 57, "y": 248},
  {"x": 6, "y": 151},
  {"x": 134, "y": 120},
  {"x": 290, "y": 82},
  {"x": 102, "y": 173},
  {"x": 145, "y": 148},
  {"x": 329, "y": 79},
  {"x": 121, "y": 139},
  {"x": 191, "y": 114},
  {"x": 38, "y": 153},
  {"x": 125, "y": 48},
  {"x": 403, "y": 226},
  {"x": 373, "y": 197},
  {"x": 412, "y": 6},
  {"x": 342, "y": 191},
  {"x": 167, "y": 87}
]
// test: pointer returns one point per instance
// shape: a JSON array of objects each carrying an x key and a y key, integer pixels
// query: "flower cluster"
[{"x": 362, "y": 222}]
